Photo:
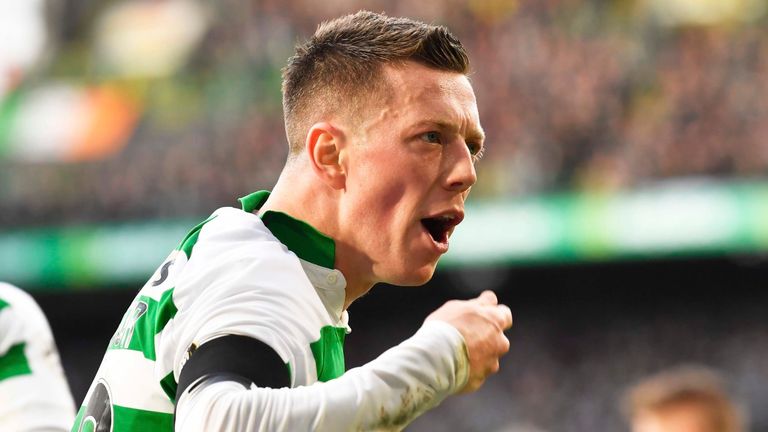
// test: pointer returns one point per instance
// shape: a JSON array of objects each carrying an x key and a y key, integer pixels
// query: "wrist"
[{"x": 454, "y": 346}]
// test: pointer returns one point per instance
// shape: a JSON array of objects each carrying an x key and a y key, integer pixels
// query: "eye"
[
  {"x": 431, "y": 137},
  {"x": 476, "y": 150}
]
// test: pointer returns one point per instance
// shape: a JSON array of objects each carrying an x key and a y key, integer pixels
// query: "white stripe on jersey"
[{"x": 130, "y": 375}]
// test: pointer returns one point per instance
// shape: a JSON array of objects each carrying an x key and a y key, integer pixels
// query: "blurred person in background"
[
  {"x": 684, "y": 399},
  {"x": 34, "y": 395},
  {"x": 242, "y": 328}
]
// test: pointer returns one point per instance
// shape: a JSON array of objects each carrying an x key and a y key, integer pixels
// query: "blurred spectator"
[{"x": 686, "y": 399}]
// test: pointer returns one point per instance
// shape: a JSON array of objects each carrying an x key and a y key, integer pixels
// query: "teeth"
[{"x": 446, "y": 218}]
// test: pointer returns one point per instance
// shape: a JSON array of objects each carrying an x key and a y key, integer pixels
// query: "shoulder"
[
  {"x": 235, "y": 237},
  {"x": 229, "y": 242},
  {"x": 229, "y": 226},
  {"x": 20, "y": 303},
  {"x": 20, "y": 316},
  {"x": 11, "y": 296},
  {"x": 241, "y": 280},
  {"x": 236, "y": 253},
  {"x": 237, "y": 267}
]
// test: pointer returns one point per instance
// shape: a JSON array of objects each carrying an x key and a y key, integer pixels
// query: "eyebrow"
[{"x": 473, "y": 134}]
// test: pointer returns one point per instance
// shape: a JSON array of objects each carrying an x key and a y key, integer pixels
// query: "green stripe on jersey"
[
  {"x": 301, "y": 238},
  {"x": 78, "y": 419},
  {"x": 128, "y": 419},
  {"x": 191, "y": 238},
  {"x": 298, "y": 236},
  {"x": 146, "y": 318},
  {"x": 169, "y": 386},
  {"x": 14, "y": 362},
  {"x": 328, "y": 352},
  {"x": 3, "y": 304}
]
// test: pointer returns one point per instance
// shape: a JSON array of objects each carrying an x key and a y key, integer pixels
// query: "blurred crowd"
[{"x": 573, "y": 94}]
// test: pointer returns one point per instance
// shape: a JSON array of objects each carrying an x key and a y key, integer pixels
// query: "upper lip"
[{"x": 452, "y": 217}]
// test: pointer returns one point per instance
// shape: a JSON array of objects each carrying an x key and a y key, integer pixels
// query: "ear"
[{"x": 325, "y": 146}]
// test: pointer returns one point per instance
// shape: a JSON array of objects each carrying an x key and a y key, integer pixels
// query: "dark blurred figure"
[{"x": 684, "y": 399}]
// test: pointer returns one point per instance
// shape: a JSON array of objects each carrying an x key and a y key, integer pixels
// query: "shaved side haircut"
[{"x": 339, "y": 69}]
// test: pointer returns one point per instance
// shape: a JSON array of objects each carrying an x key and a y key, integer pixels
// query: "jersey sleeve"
[
  {"x": 385, "y": 394},
  {"x": 34, "y": 394}
]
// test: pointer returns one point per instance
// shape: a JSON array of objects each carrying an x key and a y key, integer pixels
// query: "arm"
[
  {"x": 456, "y": 349},
  {"x": 385, "y": 394},
  {"x": 34, "y": 395}
]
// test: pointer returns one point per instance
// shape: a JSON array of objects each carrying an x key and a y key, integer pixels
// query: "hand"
[{"x": 482, "y": 322}]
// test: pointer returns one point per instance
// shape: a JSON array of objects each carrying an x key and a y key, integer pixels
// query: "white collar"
[{"x": 331, "y": 288}]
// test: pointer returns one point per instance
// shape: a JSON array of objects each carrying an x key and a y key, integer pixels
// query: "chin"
[{"x": 414, "y": 277}]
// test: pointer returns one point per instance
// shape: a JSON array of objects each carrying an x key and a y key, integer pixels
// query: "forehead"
[
  {"x": 418, "y": 93},
  {"x": 681, "y": 416}
]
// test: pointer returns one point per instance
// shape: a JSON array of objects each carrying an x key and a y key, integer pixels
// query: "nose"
[{"x": 461, "y": 170}]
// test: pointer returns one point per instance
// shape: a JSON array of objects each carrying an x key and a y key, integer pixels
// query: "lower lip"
[{"x": 439, "y": 247}]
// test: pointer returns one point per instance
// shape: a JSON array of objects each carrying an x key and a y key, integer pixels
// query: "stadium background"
[{"x": 621, "y": 211}]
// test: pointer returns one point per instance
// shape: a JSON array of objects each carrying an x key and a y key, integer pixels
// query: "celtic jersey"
[
  {"x": 34, "y": 394},
  {"x": 268, "y": 278}
]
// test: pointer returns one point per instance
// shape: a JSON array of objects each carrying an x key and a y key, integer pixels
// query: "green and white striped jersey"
[
  {"x": 269, "y": 278},
  {"x": 34, "y": 394}
]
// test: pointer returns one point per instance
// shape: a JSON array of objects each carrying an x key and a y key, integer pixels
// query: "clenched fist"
[{"x": 482, "y": 322}]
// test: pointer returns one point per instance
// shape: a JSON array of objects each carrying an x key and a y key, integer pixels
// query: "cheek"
[
  {"x": 389, "y": 188},
  {"x": 391, "y": 198},
  {"x": 380, "y": 184},
  {"x": 379, "y": 215}
]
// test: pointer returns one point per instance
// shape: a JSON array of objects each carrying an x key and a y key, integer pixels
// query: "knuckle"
[
  {"x": 507, "y": 314},
  {"x": 504, "y": 345},
  {"x": 499, "y": 317}
]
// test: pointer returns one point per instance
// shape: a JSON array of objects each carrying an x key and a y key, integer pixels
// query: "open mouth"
[{"x": 440, "y": 227}]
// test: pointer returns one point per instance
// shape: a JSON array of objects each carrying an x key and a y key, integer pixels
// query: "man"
[
  {"x": 685, "y": 399},
  {"x": 34, "y": 395},
  {"x": 242, "y": 327}
]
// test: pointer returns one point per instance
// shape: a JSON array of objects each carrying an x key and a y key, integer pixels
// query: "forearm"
[{"x": 385, "y": 394}]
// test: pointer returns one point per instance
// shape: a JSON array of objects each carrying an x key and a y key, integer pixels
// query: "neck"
[{"x": 312, "y": 201}]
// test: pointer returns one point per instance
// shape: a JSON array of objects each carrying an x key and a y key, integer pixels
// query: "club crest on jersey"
[{"x": 98, "y": 416}]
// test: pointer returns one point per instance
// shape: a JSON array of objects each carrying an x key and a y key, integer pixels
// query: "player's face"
[{"x": 409, "y": 170}]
